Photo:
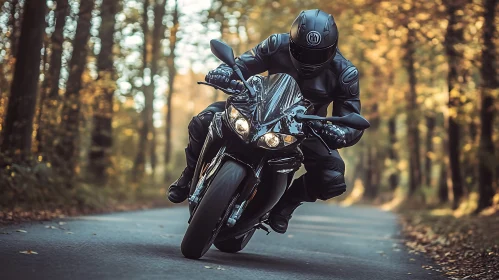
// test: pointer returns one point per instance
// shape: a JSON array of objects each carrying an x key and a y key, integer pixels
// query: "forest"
[{"x": 96, "y": 95}]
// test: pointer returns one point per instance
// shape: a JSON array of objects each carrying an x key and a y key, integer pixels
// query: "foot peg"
[{"x": 264, "y": 228}]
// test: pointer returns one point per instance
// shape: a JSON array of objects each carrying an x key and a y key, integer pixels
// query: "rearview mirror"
[
  {"x": 352, "y": 120},
  {"x": 223, "y": 51}
]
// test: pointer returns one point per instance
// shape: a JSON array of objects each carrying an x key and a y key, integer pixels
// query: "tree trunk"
[
  {"x": 67, "y": 146},
  {"x": 18, "y": 128},
  {"x": 43, "y": 97},
  {"x": 140, "y": 159},
  {"x": 443, "y": 191},
  {"x": 392, "y": 152},
  {"x": 172, "y": 72},
  {"x": 373, "y": 156},
  {"x": 454, "y": 36},
  {"x": 412, "y": 115},
  {"x": 490, "y": 82},
  {"x": 430, "y": 125},
  {"x": 158, "y": 34},
  {"x": 99, "y": 157},
  {"x": 370, "y": 189},
  {"x": 50, "y": 85}
]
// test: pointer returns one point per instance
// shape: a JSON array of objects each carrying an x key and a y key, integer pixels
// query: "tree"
[
  {"x": 144, "y": 126},
  {"x": 67, "y": 146},
  {"x": 17, "y": 134},
  {"x": 158, "y": 34},
  {"x": 50, "y": 87},
  {"x": 100, "y": 151},
  {"x": 454, "y": 38},
  {"x": 172, "y": 72},
  {"x": 488, "y": 72},
  {"x": 412, "y": 113},
  {"x": 392, "y": 152}
]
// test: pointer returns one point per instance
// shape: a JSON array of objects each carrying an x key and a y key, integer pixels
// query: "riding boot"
[
  {"x": 179, "y": 190},
  {"x": 282, "y": 211}
]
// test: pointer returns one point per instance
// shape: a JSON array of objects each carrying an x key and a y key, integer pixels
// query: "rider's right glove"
[{"x": 221, "y": 76}]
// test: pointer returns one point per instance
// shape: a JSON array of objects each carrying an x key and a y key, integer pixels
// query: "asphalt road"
[{"x": 323, "y": 242}]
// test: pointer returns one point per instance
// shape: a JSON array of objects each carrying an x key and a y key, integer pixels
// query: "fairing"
[{"x": 275, "y": 94}]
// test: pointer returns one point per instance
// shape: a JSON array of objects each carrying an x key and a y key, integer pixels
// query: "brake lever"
[
  {"x": 320, "y": 138},
  {"x": 227, "y": 91}
]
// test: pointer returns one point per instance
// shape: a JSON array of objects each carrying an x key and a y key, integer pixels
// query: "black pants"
[{"x": 324, "y": 178}]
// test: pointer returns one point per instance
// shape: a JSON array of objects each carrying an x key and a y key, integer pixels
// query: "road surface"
[{"x": 323, "y": 242}]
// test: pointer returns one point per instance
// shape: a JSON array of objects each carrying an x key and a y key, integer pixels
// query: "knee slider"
[
  {"x": 198, "y": 126},
  {"x": 333, "y": 185}
]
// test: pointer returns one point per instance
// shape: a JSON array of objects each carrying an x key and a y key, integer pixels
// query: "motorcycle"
[{"x": 249, "y": 158}]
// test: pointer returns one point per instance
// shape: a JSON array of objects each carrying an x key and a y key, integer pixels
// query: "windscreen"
[{"x": 275, "y": 94}]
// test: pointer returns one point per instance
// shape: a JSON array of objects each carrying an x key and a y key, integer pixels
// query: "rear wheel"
[
  {"x": 234, "y": 245},
  {"x": 213, "y": 210}
]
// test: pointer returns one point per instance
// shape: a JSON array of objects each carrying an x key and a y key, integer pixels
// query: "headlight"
[
  {"x": 272, "y": 140},
  {"x": 238, "y": 122},
  {"x": 242, "y": 127}
]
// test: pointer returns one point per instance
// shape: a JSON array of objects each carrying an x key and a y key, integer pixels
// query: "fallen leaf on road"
[
  {"x": 21, "y": 230},
  {"x": 208, "y": 267},
  {"x": 51, "y": 227},
  {"x": 412, "y": 260},
  {"x": 220, "y": 268},
  {"x": 69, "y": 232},
  {"x": 29, "y": 252},
  {"x": 290, "y": 236},
  {"x": 62, "y": 223}
]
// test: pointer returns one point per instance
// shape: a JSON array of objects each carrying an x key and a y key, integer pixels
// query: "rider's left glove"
[{"x": 333, "y": 135}]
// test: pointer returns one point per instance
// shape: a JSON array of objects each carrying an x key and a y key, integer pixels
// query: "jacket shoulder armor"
[
  {"x": 349, "y": 80},
  {"x": 274, "y": 43},
  {"x": 348, "y": 75}
]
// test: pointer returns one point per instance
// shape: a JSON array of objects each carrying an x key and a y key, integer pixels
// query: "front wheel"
[{"x": 212, "y": 211}]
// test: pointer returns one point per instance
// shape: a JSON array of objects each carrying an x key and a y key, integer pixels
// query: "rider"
[{"x": 309, "y": 53}]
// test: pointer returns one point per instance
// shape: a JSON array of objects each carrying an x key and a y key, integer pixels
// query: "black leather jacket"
[{"x": 338, "y": 83}]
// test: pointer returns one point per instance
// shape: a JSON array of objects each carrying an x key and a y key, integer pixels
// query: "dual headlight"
[
  {"x": 269, "y": 140},
  {"x": 239, "y": 123}
]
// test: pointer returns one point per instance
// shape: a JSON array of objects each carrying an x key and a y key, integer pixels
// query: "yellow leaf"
[{"x": 28, "y": 252}]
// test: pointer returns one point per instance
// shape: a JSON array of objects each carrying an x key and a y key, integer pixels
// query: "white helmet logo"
[{"x": 313, "y": 38}]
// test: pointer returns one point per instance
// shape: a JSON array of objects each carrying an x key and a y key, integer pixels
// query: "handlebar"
[
  {"x": 352, "y": 120},
  {"x": 235, "y": 87}
]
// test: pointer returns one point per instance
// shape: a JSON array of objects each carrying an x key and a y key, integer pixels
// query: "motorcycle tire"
[
  {"x": 211, "y": 211},
  {"x": 234, "y": 245}
]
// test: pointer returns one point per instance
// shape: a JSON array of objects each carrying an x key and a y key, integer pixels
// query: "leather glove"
[
  {"x": 333, "y": 135},
  {"x": 221, "y": 76}
]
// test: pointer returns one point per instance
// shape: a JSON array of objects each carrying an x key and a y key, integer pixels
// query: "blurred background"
[{"x": 96, "y": 96}]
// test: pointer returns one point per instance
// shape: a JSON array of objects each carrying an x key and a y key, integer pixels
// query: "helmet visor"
[{"x": 311, "y": 56}]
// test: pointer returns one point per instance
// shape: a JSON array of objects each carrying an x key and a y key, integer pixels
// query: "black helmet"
[{"x": 313, "y": 41}]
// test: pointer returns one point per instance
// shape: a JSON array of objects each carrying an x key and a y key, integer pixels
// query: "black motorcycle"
[{"x": 248, "y": 159}]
